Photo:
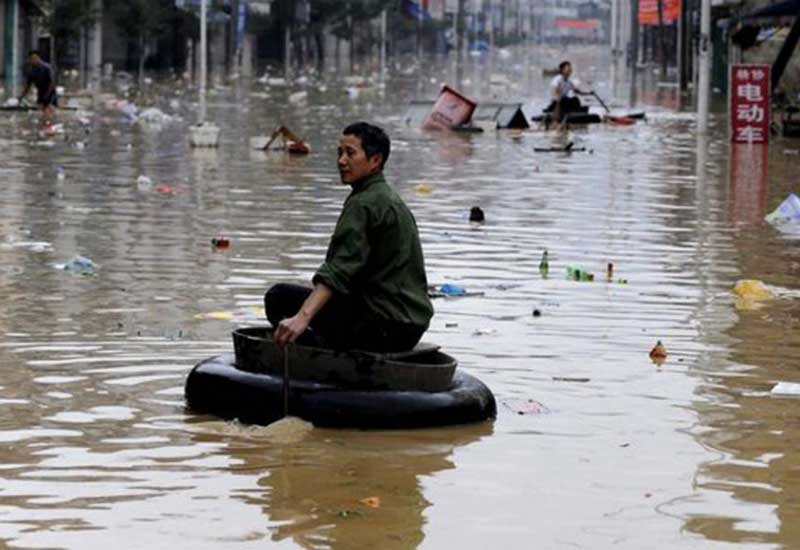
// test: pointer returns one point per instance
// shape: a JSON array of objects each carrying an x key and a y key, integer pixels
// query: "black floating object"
[
  {"x": 569, "y": 146},
  {"x": 572, "y": 149},
  {"x": 476, "y": 215},
  {"x": 537, "y": 313}
]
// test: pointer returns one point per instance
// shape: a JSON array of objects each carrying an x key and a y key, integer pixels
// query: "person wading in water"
[
  {"x": 41, "y": 76},
  {"x": 371, "y": 293}
]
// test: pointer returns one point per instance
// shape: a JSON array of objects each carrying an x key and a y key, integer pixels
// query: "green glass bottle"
[{"x": 544, "y": 265}]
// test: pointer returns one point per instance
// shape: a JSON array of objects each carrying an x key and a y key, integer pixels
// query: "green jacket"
[{"x": 375, "y": 256}]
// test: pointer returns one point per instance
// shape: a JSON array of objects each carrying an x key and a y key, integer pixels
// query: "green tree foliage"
[
  {"x": 67, "y": 18},
  {"x": 141, "y": 21}
]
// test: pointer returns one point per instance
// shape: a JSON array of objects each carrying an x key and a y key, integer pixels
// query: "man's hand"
[{"x": 290, "y": 330}]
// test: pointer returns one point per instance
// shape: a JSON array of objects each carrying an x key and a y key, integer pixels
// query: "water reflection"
[
  {"x": 748, "y": 494},
  {"x": 749, "y": 183},
  {"x": 317, "y": 494}
]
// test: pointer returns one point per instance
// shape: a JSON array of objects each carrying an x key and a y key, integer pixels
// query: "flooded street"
[{"x": 98, "y": 447}]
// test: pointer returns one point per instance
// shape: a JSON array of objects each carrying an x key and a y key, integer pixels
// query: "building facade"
[{"x": 18, "y": 35}]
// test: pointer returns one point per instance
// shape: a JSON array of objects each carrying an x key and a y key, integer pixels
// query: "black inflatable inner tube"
[{"x": 217, "y": 387}]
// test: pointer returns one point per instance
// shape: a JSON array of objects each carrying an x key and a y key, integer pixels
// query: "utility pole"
[
  {"x": 460, "y": 7},
  {"x": 12, "y": 44},
  {"x": 633, "y": 48},
  {"x": 614, "y": 39},
  {"x": 490, "y": 22},
  {"x": 662, "y": 43},
  {"x": 704, "y": 76},
  {"x": 96, "y": 46},
  {"x": 384, "y": 26},
  {"x": 287, "y": 51},
  {"x": 203, "y": 60},
  {"x": 420, "y": 11}
]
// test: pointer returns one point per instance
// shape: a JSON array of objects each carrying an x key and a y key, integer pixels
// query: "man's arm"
[{"x": 290, "y": 329}]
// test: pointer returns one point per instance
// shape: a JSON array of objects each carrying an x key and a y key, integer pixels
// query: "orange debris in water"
[{"x": 371, "y": 502}]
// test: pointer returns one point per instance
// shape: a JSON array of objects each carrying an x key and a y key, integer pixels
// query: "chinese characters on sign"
[{"x": 750, "y": 103}]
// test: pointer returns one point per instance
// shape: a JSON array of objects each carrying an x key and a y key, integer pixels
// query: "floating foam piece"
[
  {"x": 786, "y": 388},
  {"x": 787, "y": 212}
]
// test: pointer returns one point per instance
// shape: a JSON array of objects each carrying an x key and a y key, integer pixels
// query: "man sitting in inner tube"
[
  {"x": 564, "y": 94},
  {"x": 371, "y": 293}
]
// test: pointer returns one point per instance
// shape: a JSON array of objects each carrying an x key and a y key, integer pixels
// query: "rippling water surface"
[{"x": 99, "y": 450}]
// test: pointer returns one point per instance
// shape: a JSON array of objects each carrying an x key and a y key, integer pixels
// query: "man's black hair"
[
  {"x": 562, "y": 65},
  {"x": 374, "y": 140},
  {"x": 34, "y": 52}
]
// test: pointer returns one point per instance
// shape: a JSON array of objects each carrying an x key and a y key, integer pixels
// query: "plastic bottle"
[{"x": 544, "y": 264}]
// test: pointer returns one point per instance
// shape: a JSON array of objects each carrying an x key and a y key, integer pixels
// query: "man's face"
[
  {"x": 566, "y": 71},
  {"x": 35, "y": 59},
  {"x": 353, "y": 163}
]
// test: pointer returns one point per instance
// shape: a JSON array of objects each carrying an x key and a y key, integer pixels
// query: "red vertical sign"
[{"x": 750, "y": 103}]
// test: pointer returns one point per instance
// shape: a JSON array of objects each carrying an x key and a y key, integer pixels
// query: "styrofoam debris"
[{"x": 786, "y": 388}]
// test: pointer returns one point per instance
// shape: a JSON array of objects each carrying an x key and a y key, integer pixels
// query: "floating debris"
[
  {"x": 787, "y": 212},
  {"x": 525, "y": 406},
  {"x": 220, "y": 243},
  {"x": 450, "y": 290},
  {"x": 571, "y": 379},
  {"x": 659, "y": 353},
  {"x": 786, "y": 388},
  {"x": 371, "y": 502},
  {"x": 476, "y": 215},
  {"x": 79, "y": 265},
  {"x": 752, "y": 289}
]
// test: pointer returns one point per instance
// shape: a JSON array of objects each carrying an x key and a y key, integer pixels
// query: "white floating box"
[
  {"x": 786, "y": 388},
  {"x": 204, "y": 135}
]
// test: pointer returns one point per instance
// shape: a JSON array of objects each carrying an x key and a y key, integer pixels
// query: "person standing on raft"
[
  {"x": 564, "y": 92},
  {"x": 371, "y": 293}
]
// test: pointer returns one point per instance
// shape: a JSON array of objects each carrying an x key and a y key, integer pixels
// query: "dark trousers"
[
  {"x": 568, "y": 105},
  {"x": 338, "y": 324}
]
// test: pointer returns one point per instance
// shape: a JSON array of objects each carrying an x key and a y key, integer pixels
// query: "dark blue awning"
[{"x": 787, "y": 8}]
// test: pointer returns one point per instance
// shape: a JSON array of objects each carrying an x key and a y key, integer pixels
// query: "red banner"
[
  {"x": 578, "y": 24},
  {"x": 750, "y": 103},
  {"x": 648, "y": 11}
]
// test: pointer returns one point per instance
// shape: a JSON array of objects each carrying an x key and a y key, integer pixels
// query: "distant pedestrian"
[{"x": 41, "y": 75}]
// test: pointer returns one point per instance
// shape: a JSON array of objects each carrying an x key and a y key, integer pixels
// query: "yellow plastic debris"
[
  {"x": 218, "y": 315},
  {"x": 246, "y": 314},
  {"x": 752, "y": 289},
  {"x": 423, "y": 189}
]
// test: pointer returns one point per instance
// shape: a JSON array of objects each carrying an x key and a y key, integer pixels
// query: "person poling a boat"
[
  {"x": 41, "y": 76},
  {"x": 564, "y": 92},
  {"x": 371, "y": 293}
]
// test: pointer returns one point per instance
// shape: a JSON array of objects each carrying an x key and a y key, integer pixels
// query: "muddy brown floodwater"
[{"x": 97, "y": 449}]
